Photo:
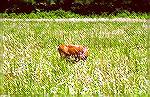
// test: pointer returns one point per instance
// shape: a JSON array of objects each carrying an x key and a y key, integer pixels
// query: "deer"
[{"x": 78, "y": 52}]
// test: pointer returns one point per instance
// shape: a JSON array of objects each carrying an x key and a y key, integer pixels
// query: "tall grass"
[
  {"x": 117, "y": 64},
  {"x": 69, "y": 14}
]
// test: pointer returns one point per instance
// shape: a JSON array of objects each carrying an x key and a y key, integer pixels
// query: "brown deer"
[{"x": 78, "y": 52}]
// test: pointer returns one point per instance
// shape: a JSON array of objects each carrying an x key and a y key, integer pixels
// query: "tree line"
[{"x": 83, "y": 7}]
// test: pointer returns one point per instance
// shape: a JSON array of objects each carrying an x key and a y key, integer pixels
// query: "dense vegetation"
[
  {"x": 117, "y": 64},
  {"x": 69, "y": 14},
  {"x": 83, "y": 7}
]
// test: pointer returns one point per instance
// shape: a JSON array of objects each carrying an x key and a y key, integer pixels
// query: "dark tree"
[
  {"x": 67, "y": 4},
  {"x": 3, "y": 5}
]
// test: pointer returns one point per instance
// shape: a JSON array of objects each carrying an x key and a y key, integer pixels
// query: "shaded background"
[{"x": 83, "y": 7}]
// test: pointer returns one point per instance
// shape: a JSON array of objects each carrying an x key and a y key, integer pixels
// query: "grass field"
[
  {"x": 62, "y": 14},
  {"x": 117, "y": 64}
]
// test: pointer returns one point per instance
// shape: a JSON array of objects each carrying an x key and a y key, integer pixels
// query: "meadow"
[
  {"x": 117, "y": 64},
  {"x": 63, "y": 14}
]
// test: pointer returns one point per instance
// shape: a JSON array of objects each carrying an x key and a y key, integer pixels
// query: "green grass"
[
  {"x": 117, "y": 64},
  {"x": 69, "y": 14}
]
